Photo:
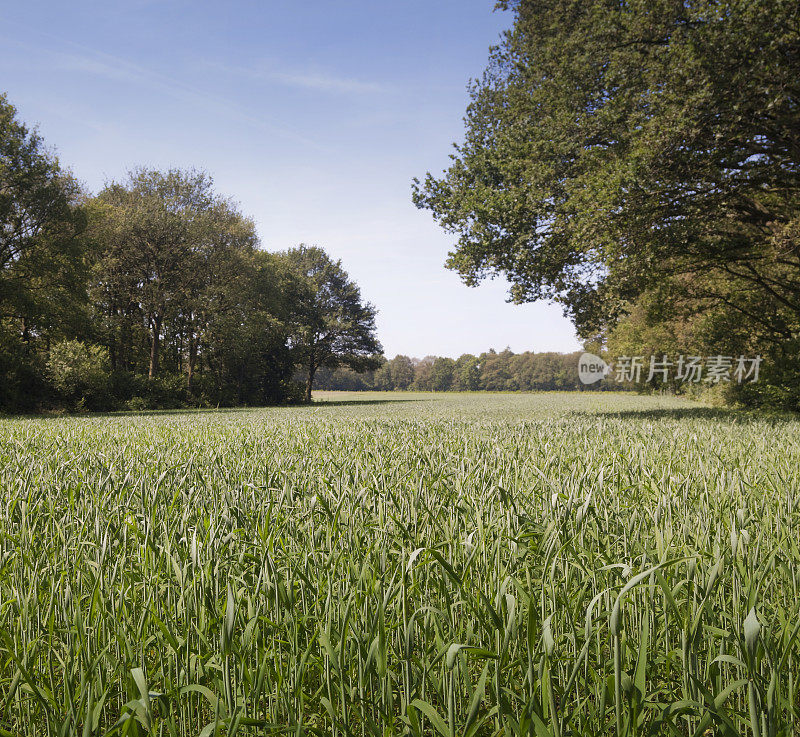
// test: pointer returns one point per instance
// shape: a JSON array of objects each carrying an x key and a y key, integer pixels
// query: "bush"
[
  {"x": 79, "y": 374},
  {"x": 137, "y": 393},
  {"x": 125, "y": 385},
  {"x": 23, "y": 385},
  {"x": 137, "y": 404},
  {"x": 167, "y": 391}
]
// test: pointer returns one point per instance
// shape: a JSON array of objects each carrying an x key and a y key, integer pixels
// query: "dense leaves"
[
  {"x": 333, "y": 327},
  {"x": 491, "y": 371},
  {"x": 42, "y": 275},
  {"x": 155, "y": 293},
  {"x": 617, "y": 150}
]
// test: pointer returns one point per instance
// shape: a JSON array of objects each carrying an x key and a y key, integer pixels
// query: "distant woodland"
[
  {"x": 155, "y": 292},
  {"x": 490, "y": 371}
]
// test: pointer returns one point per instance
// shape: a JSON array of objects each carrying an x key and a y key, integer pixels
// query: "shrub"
[
  {"x": 79, "y": 374},
  {"x": 137, "y": 404},
  {"x": 167, "y": 391}
]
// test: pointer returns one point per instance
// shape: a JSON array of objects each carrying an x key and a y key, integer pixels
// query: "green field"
[{"x": 390, "y": 564}]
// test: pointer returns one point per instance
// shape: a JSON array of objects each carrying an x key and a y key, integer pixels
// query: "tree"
[
  {"x": 242, "y": 328},
  {"x": 612, "y": 147},
  {"x": 234, "y": 318},
  {"x": 423, "y": 374},
  {"x": 79, "y": 373},
  {"x": 442, "y": 374},
  {"x": 401, "y": 370},
  {"x": 495, "y": 371},
  {"x": 175, "y": 259},
  {"x": 165, "y": 299},
  {"x": 181, "y": 289},
  {"x": 382, "y": 377},
  {"x": 334, "y": 327},
  {"x": 152, "y": 233},
  {"x": 42, "y": 287},
  {"x": 467, "y": 373}
]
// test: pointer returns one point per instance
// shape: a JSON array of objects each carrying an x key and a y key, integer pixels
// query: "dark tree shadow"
[
  {"x": 174, "y": 411},
  {"x": 356, "y": 402},
  {"x": 245, "y": 410},
  {"x": 698, "y": 413}
]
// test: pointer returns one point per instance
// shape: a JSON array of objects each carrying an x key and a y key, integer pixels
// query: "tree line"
[
  {"x": 490, "y": 371},
  {"x": 639, "y": 163},
  {"x": 155, "y": 293}
]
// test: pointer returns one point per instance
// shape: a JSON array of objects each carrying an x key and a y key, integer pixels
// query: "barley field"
[{"x": 402, "y": 564}]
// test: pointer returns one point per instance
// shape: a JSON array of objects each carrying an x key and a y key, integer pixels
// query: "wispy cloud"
[
  {"x": 325, "y": 82},
  {"x": 310, "y": 78},
  {"x": 78, "y": 59},
  {"x": 111, "y": 68}
]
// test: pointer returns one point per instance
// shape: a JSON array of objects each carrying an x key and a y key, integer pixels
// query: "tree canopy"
[
  {"x": 156, "y": 293},
  {"x": 490, "y": 371},
  {"x": 615, "y": 150},
  {"x": 333, "y": 326},
  {"x": 42, "y": 275}
]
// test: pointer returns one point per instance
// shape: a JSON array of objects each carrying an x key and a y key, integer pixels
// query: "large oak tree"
[
  {"x": 614, "y": 147},
  {"x": 171, "y": 252},
  {"x": 42, "y": 274},
  {"x": 333, "y": 326}
]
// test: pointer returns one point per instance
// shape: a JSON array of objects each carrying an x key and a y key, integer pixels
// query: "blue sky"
[{"x": 314, "y": 116}]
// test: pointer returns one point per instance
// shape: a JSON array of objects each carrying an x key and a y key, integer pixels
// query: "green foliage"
[
  {"x": 163, "y": 278},
  {"x": 169, "y": 248},
  {"x": 183, "y": 294},
  {"x": 401, "y": 372},
  {"x": 467, "y": 373},
  {"x": 447, "y": 565},
  {"x": 40, "y": 227},
  {"x": 162, "y": 281},
  {"x": 80, "y": 373},
  {"x": 23, "y": 384},
  {"x": 496, "y": 371},
  {"x": 660, "y": 323},
  {"x": 42, "y": 274},
  {"x": 618, "y": 152},
  {"x": 442, "y": 374},
  {"x": 423, "y": 374},
  {"x": 491, "y": 371},
  {"x": 331, "y": 327}
]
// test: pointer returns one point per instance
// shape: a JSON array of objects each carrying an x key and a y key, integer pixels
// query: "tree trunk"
[
  {"x": 112, "y": 338},
  {"x": 312, "y": 369},
  {"x": 154, "y": 346},
  {"x": 192, "y": 360},
  {"x": 26, "y": 335},
  {"x": 125, "y": 341}
]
